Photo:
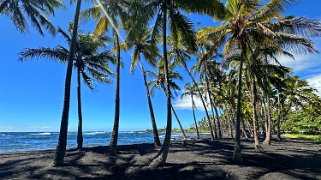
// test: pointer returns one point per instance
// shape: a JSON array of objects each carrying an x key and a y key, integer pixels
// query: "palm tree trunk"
[
  {"x": 237, "y": 141},
  {"x": 213, "y": 116},
  {"x": 258, "y": 148},
  {"x": 179, "y": 123},
  {"x": 230, "y": 128},
  {"x": 269, "y": 124},
  {"x": 218, "y": 120},
  {"x": 161, "y": 157},
  {"x": 212, "y": 99},
  {"x": 263, "y": 124},
  {"x": 114, "y": 138},
  {"x": 193, "y": 108},
  {"x": 229, "y": 121},
  {"x": 202, "y": 99},
  {"x": 278, "y": 124},
  {"x": 80, "y": 138},
  {"x": 62, "y": 141},
  {"x": 245, "y": 132},
  {"x": 211, "y": 102},
  {"x": 151, "y": 110}
]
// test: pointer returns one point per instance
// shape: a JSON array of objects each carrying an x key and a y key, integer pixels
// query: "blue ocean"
[{"x": 30, "y": 141}]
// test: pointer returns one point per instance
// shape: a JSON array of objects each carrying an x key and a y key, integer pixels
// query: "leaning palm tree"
[
  {"x": 62, "y": 141},
  {"x": 162, "y": 11},
  {"x": 247, "y": 20},
  {"x": 89, "y": 60},
  {"x": 191, "y": 90},
  {"x": 180, "y": 54},
  {"x": 139, "y": 39},
  {"x": 294, "y": 93},
  {"x": 207, "y": 67},
  {"x": 109, "y": 14},
  {"x": 158, "y": 82},
  {"x": 20, "y": 10}
]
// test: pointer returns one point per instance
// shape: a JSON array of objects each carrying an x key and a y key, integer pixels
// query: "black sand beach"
[{"x": 195, "y": 159}]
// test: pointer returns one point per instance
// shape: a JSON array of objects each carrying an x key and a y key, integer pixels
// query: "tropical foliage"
[{"x": 233, "y": 66}]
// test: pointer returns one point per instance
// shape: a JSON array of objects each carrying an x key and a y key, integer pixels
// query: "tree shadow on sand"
[{"x": 194, "y": 159}]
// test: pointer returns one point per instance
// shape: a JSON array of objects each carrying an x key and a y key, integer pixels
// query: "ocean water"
[{"x": 30, "y": 141}]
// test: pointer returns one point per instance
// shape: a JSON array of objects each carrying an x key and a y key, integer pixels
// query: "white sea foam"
[
  {"x": 95, "y": 133},
  {"x": 42, "y": 134},
  {"x": 131, "y": 132},
  {"x": 173, "y": 136}
]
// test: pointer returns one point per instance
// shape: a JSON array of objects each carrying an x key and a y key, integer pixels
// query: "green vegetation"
[
  {"x": 232, "y": 67},
  {"x": 309, "y": 137}
]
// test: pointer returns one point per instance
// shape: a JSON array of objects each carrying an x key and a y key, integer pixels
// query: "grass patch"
[{"x": 314, "y": 138}]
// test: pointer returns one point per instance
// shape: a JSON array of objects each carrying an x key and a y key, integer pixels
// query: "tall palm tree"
[
  {"x": 179, "y": 24},
  {"x": 249, "y": 19},
  {"x": 20, "y": 10},
  {"x": 294, "y": 93},
  {"x": 207, "y": 69},
  {"x": 180, "y": 54},
  {"x": 109, "y": 14},
  {"x": 62, "y": 140},
  {"x": 158, "y": 81},
  {"x": 139, "y": 39},
  {"x": 190, "y": 90},
  {"x": 90, "y": 62}
]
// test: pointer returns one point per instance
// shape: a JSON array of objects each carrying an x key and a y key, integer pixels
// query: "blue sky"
[{"x": 32, "y": 92}]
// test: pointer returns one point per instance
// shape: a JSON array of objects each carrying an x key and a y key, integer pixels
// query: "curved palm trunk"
[
  {"x": 229, "y": 122},
  {"x": 62, "y": 141},
  {"x": 151, "y": 110},
  {"x": 213, "y": 115},
  {"x": 269, "y": 125},
  {"x": 211, "y": 102},
  {"x": 258, "y": 148},
  {"x": 179, "y": 123},
  {"x": 218, "y": 120},
  {"x": 278, "y": 124},
  {"x": 212, "y": 98},
  {"x": 80, "y": 138},
  {"x": 161, "y": 157},
  {"x": 193, "y": 108},
  {"x": 237, "y": 141},
  {"x": 230, "y": 117},
  {"x": 202, "y": 99},
  {"x": 114, "y": 137},
  {"x": 245, "y": 132}
]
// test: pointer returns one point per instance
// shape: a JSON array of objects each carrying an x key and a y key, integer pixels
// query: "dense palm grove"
[{"x": 233, "y": 67}]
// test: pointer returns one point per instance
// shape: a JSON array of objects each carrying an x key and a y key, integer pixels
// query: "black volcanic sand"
[{"x": 195, "y": 159}]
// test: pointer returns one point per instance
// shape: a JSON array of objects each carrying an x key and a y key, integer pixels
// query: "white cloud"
[
  {"x": 301, "y": 62},
  {"x": 315, "y": 82},
  {"x": 186, "y": 103}
]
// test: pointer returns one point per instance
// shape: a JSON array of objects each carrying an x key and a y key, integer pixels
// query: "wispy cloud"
[
  {"x": 301, "y": 63},
  {"x": 186, "y": 103},
  {"x": 315, "y": 82}
]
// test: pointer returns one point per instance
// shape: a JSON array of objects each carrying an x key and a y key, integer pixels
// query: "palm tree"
[
  {"x": 179, "y": 24},
  {"x": 248, "y": 19},
  {"x": 139, "y": 39},
  {"x": 158, "y": 81},
  {"x": 294, "y": 93},
  {"x": 109, "y": 13},
  {"x": 91, "y": 64},
  {"x": 180, "y": 54},
  {"x": 62, "y": 141},
  {"x": 20, "y": 10},
  {"x": 190, "y": 90},
  {"x": 207, "y": 68}
]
